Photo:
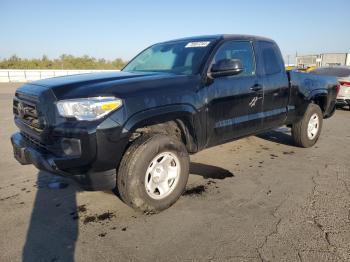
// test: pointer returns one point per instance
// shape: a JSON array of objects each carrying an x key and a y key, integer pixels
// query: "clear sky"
[{"x": 110, "y": 29}]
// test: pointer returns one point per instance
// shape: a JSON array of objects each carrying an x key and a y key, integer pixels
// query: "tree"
[{"x": 65, "y": 61}]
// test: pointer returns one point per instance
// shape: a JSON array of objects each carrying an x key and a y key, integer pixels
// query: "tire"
[
  {"x": 136, "y": 162},
  {"x": 300, "y": 133}
]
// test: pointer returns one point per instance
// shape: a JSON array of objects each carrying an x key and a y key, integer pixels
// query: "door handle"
[{"x": 256, "y": 88}]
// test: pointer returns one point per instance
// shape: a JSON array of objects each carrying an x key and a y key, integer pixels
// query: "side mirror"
[{"x": 226, "y": 67}]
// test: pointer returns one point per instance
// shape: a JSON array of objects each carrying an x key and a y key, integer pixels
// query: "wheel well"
[
  {"x": 321, "y": 101},
  {"x": 181, "y": 129}
]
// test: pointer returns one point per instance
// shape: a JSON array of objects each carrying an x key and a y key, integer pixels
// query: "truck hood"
[{"x": 120, "y": 84}]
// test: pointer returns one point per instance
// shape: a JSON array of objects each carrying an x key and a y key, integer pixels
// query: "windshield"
[{"x": 182, "y": 57}]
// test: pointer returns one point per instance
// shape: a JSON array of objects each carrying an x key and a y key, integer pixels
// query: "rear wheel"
[
  {"x": 153, "y": 173},
  {"x": 307, "y": 131}
]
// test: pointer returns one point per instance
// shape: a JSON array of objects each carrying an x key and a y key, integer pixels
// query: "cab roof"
[{"x": 223, "y": 36}]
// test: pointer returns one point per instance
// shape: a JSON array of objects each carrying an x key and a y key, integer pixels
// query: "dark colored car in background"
[
  {"x": 343, "y": 75},
  {"x": 134, "y": 129}
]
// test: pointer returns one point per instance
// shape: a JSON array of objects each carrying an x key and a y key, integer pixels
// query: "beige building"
[
  {"x": 326, "y": 59},
  {"x": 307, "y": 61}
]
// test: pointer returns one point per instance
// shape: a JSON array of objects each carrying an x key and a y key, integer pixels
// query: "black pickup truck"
[{"x": 134, "y": 130}]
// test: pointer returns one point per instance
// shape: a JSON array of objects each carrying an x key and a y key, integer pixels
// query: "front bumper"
[
  {"x": 26, "y": 154},
  {"x": 342, "y": 102}
]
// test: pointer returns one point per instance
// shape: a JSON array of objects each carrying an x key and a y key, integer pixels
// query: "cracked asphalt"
[{"x": 256, "y": 199}]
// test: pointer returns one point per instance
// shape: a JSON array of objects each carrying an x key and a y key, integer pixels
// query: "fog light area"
[{"x": 71, "y": 146}]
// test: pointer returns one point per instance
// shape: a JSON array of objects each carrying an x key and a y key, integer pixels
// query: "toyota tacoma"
[{"x": 133, "y": 130}]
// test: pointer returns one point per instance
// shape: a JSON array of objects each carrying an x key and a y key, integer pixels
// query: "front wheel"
[
  {"x": 306, "y": 132},
  {"x": 153, "y": 173}
]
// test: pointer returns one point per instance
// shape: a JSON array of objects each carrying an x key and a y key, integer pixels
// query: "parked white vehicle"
[{"x": 343, "y": 75}]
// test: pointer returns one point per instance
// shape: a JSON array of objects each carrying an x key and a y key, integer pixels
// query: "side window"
[
  {"x": 271, "y": 59},
  {"x": 241, "y": 50}
]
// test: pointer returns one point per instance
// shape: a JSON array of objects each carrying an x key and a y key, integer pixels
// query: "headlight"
[{"x": 91, "y": 108}]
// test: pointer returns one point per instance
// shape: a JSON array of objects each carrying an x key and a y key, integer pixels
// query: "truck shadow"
[
  {"x": 53, "y": 228},
  {"x": 209, "y": 171},
  {"x": 280, "y": 135},
  {"x": 54, "y": 224}
]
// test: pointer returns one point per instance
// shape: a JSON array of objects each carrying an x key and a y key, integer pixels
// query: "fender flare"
[
  {"x": 317, "y": 93},
  {"x": 163, "y": 114},
  {"x": 321, "y": 96}
]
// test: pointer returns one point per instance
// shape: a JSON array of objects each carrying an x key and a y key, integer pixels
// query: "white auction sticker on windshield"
[{"x": 197, "y": 44}]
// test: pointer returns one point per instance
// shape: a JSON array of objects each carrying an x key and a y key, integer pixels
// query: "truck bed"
[{"x": 306, "y": 85}]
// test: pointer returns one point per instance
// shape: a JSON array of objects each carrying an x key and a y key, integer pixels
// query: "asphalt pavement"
[{"x": 255, "y": 199}]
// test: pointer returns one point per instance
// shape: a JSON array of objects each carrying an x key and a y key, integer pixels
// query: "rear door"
[
  {"x": 234, "y": 102},
  {"x": 275, "y": 83}
]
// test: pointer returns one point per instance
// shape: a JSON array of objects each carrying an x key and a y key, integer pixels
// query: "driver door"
[{"x": 235, "y": 101}]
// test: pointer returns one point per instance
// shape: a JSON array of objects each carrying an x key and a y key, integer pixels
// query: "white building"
[
  {"x": 325, "y": 59},
  {"x": 305, "y": 61}
]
